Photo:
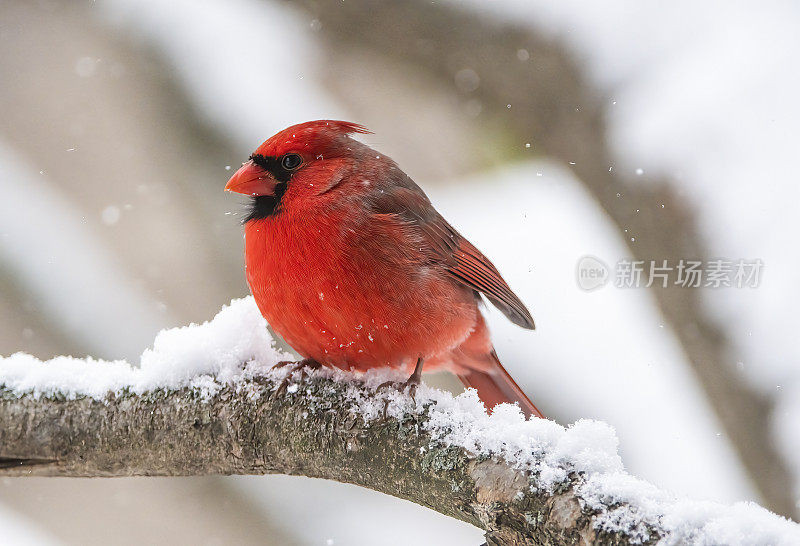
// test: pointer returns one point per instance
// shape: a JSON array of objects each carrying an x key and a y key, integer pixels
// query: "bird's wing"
[{"x": 445, "y": 246}]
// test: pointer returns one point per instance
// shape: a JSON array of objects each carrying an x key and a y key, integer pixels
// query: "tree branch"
[{"x": 317, "y": 428}]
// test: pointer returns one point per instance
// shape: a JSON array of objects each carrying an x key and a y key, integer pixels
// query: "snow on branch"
[{"x": 204, "y": 400}]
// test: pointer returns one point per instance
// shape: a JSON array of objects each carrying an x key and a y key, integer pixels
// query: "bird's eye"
[{"x": 291, "y": 161}]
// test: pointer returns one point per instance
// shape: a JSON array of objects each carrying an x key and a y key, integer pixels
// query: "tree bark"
[{"x": 249, "y": 428}]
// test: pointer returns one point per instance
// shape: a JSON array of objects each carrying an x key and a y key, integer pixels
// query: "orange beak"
[{"x": 251, "y": 180}]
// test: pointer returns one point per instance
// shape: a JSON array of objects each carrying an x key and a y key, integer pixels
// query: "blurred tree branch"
[
  {"x": 555, "y": 107},
  {"x": 248, "y": 428}
]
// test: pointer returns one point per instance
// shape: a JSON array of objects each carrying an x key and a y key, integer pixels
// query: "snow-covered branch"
[{"x": 205, "y": 400}]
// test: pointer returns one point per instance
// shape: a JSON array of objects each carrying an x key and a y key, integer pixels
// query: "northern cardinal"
[{"x": 348, "y": 261}]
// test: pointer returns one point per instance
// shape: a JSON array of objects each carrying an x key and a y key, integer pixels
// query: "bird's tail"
[{"x": 495, "y": 386}]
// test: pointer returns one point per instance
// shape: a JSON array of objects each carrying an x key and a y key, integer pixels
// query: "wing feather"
[{"x": 445, "y": 246}]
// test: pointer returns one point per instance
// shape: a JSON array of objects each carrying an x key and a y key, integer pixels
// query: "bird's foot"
[
  {"x": 300, "y": 365},
  {"x": 411, "y": 384}
]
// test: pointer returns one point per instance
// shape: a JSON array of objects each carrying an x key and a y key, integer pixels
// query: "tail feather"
[{"x": 496, "y": 386}]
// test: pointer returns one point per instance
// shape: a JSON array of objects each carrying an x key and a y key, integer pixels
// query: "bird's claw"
[
  {"x": 411, "y": 384},
  {"x": 300, "y": 366}
]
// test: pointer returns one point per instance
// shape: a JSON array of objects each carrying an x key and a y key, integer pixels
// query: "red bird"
[{"x": 348, "y": 261}]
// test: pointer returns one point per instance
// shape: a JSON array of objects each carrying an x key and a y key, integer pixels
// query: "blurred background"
[{"x": 543, "y": 131}]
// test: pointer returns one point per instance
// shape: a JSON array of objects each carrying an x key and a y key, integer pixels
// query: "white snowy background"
[{"x": 703, "y": 93}]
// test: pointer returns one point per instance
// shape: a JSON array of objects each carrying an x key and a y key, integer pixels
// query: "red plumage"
[{"x": 348, "y": 260}]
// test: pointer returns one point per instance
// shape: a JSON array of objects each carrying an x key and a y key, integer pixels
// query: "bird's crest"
[{"x": 315, "y": 137}]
